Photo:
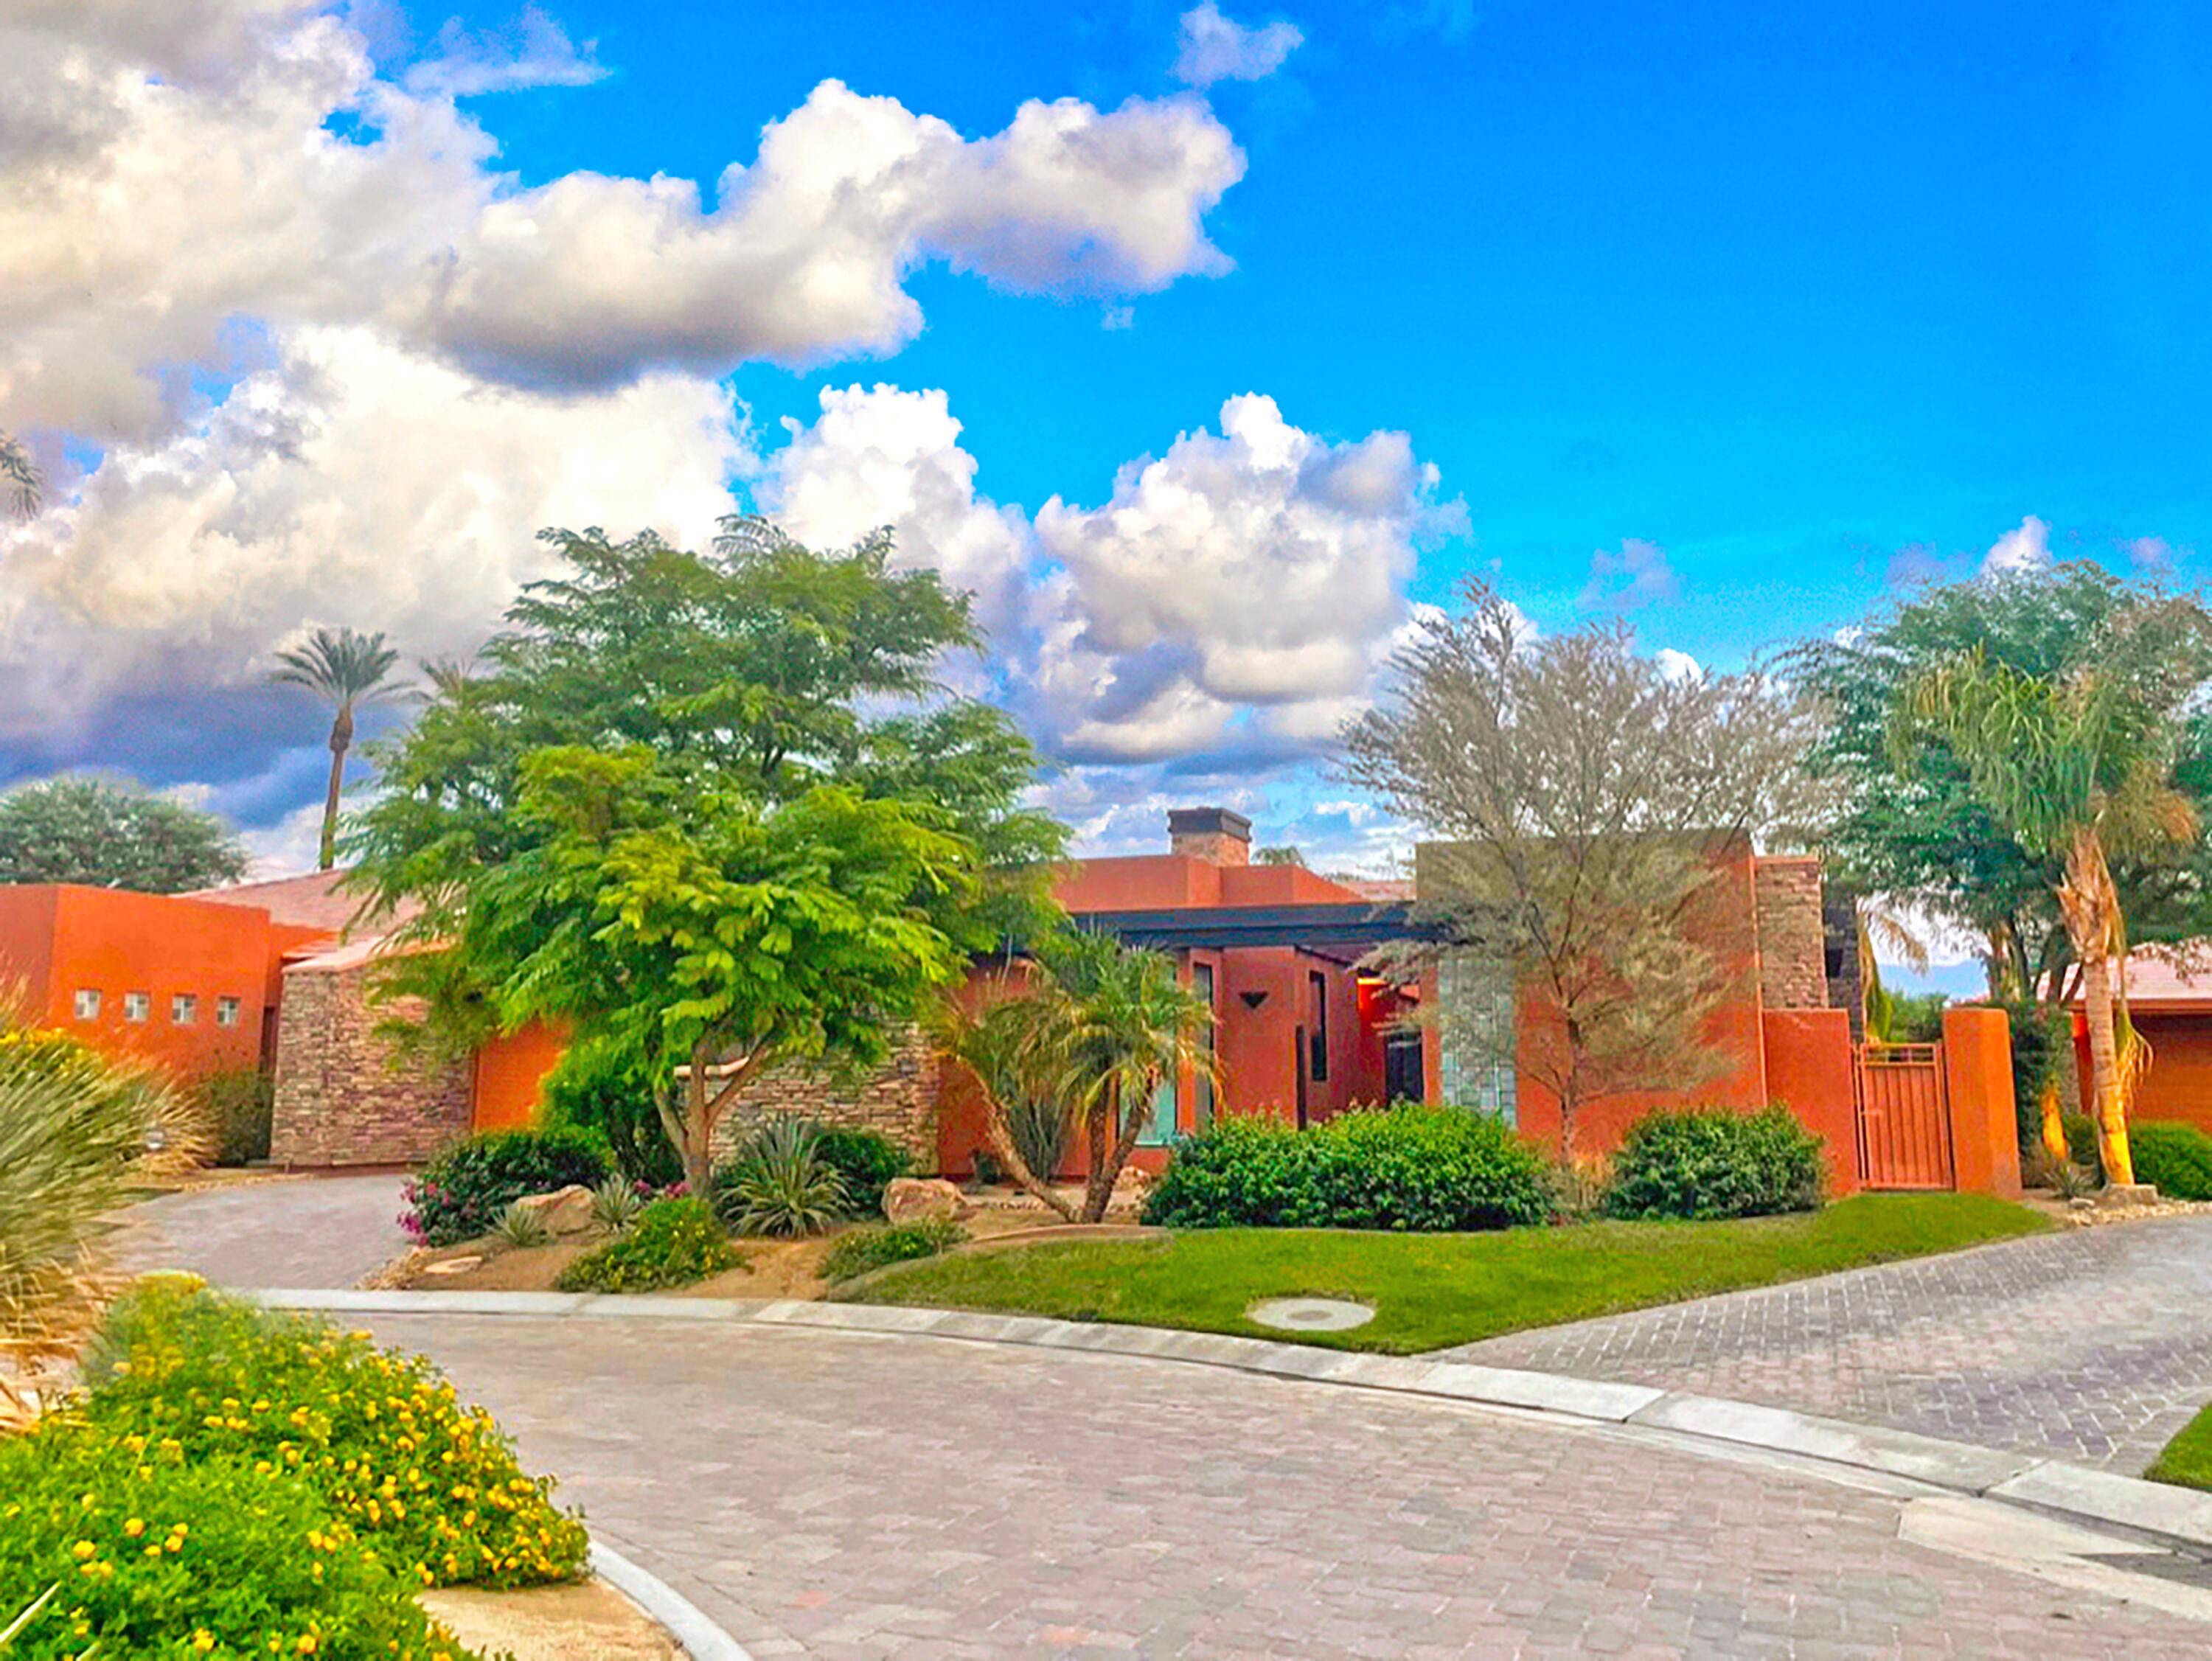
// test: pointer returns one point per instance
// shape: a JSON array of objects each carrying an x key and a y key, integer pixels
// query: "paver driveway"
[
  {"x": 308, "y": 1231},
  {"x": 2094, "y": 1345},
  {"x": 852, "y": 1497}
]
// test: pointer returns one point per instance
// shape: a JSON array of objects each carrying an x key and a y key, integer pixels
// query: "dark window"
[
  {"x": 1318, "y": 1049},
  {"x": 1201, "y": 982}
]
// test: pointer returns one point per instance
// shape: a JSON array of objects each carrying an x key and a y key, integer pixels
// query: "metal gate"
[{"x": 1905, "y": 1125}]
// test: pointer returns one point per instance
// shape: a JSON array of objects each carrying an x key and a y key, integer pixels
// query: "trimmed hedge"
[
  {"x": 1707, "y": 1163},
  {"x": 461, "y": 1193},
  {"x": 865, "y": 1161},
  {"x": 2174, "y": 1157},
  {"x": 1417, "y": 1169}
]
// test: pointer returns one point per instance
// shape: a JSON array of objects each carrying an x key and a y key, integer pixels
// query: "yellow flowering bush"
[
  {"x": 429, "y": 1485},
  {"x": 127, "y": 1548}
]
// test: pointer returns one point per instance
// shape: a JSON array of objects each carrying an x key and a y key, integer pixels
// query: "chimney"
[{"x": 1213, "y": 834}]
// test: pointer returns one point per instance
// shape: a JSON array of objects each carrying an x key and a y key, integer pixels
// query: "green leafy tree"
[
  {"x": 347, "y": 671},
  {"x": 1912, "y": 827},
  {"x": 710, "y": 937},
  {"x": 2077, "y": 764},
  {"x": 112, "y": 836},
  {"x": 1099, "y": 1029},
  {"x": 1590, "y": 802},
  {"x": 732, "y": 741}
]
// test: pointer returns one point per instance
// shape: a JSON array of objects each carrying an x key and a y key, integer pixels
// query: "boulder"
[
  {"x": 564, "y": 1211},
  {"x": 910, "y": 1199}
]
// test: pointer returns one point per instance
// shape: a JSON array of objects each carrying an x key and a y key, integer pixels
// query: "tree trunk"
[
  {"x": 695, "y": 1143},
  {"x": 2054, "y": 1127},
  {"x": 1001, "y": 1141},
  {"x": 2087, "y": 900},
  {"x": 329, "y": 855},
  {"x": 1111, "y": 1143}
]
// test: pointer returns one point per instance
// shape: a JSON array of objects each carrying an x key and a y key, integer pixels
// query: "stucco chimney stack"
[{"x": 1213, "y": 834}]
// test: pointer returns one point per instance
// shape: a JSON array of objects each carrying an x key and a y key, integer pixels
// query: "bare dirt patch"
[{"x": 553, "y": 1624}]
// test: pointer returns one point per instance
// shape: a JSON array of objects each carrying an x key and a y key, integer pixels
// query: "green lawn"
[
  {"x": 1432, "y": 1290},
  {"x": 2186, "y": 1461}
]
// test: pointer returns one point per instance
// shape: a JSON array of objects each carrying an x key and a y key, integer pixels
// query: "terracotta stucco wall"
[
  {"x": 508, "y": 1089},
  {"x": 1809, "y": 1062},
  {"x": 162, "y": 946},
  {"x": 342, "y": 1097},
  {"x": 1977, "y": 1078},
  {"x": 2179, "y": 1086}
]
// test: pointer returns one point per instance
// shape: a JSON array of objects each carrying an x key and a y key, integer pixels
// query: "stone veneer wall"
[
  {"x": 339, "y": 1099},
  {"x": 1793, "y": 971},
  {"x": 898, "y": 1099}
]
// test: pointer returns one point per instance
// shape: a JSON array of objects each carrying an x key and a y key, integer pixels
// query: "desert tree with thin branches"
[{"x": 1588, "y": 805}]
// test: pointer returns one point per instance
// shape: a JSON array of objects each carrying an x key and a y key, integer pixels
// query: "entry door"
[{"x": 1905, "y": 1123}]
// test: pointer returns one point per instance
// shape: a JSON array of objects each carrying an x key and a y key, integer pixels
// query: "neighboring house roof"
[
  {"x": 338, "y": 960},
  {"x": 2156, "y": 984},
  {"x": 313, "y": 901},
  {"x": 1376, "y": 888}
]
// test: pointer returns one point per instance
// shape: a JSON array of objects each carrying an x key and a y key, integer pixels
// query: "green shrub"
[
  {"x": 237, "y": 1108},
  {"x": 2175, "y": 1158},
  {"x": 599, "y": 1086},
  {"x": 431, "y": 1487},
  {"x": 865, "y": 1249},
  {"x": 1040, "y": 1131},
  {"x": 866, "y": 1162},
  {"x": 779, "y": 1183},
  {"x": 154, "y": 1552},
  {"x": 1409, "y": 1168},
  {"x": 2082, "y": 1146},
  {"x": 674, "y": 1242},
  {"x": 462, "y": 1192},
  {"x": 1712, "y": 1162}
]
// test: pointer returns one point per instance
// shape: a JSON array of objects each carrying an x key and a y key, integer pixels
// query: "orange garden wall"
[
  {"x": 509, "y": 1090},
  {"x": 2178, "y": 1085},
  {"x": 1977, "y": 1078},
  {"x": 1809, "y": 1064}
]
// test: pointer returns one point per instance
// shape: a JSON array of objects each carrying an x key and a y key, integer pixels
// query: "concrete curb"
[
  {"x": 2178, "y": 1516},
  {"x": 702, "y": 1640}
]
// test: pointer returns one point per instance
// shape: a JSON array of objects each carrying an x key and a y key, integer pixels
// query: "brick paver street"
[
  {"x": 852, "y": 1497},
  {"x": 2094, "y": 1345},
  {"x": 308, "y": 1231}
]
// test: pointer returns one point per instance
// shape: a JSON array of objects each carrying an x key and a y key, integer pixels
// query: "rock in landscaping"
[
  {"x": 2127, "y": 1193},
  {"x": 910, "y": 1199},
  {"x": 564, "y": 1211}
]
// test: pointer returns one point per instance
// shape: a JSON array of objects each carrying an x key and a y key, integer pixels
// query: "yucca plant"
[
  {"x": 779, "y": 1183},
  {"x": 519, "y": 1225},
  {"x": 78, "y": 1133},
  {"x": 615, "y": 1204}
]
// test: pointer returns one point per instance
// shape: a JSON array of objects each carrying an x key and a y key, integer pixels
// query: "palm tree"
[
  {"x": 26, "y": 487},
  {"x": 1100, "y": 1028},
  {"x": 349, "y": 669},
  {"x": 2078, "y": 764}
]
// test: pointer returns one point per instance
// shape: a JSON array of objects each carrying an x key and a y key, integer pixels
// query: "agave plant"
[
  {"x": 77, "y": 1133},
  {"x": 779, "y": 1183},
  {"x": 615, "y": 1204},
  {"x": 520, "y": 1225}
]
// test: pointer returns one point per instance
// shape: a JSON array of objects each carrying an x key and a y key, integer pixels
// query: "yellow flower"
[
  {"x": 82, "y": 1549},
  {"x": 135, "y": 1527},
  {"x": 202, "y": 1641}
]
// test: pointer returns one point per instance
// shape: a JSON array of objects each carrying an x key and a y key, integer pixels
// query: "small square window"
[
  {"x": 88, "y": 1004},
  {"x": 226, "y": 1011},
  {"x": 184, "y": 1009},
  {"x": 138, "y": 1006}
]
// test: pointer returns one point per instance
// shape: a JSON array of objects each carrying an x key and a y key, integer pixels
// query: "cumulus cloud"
[
  {"x": 2026, "y": 548},
  {"x": 1213, "y": 47},
  {"x": 169, "y": 169},
  {"x": 348, "y": 482},
  {"x": 2151, "y": 554},
  {"x": 1636, "y": 575},
  {"x": 1136, "y": 632},
  {"x": 1678, "y": 665}
]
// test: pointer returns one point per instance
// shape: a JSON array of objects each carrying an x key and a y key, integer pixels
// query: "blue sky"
[{"x": 1733, "y": 317}]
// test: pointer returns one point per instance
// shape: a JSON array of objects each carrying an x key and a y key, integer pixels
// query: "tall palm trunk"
[
  {"x": 2088, "y": 902},
  {"x": 341, "y": 741}
]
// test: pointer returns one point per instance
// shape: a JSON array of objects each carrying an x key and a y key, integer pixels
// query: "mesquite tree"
[{"x": 1587, "y": 802}]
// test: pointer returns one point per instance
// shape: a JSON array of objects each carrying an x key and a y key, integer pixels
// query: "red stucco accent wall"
[
  {"x": 1808, "y": 1068},
  {"x": 509, "y": 1087},
  {"x": 1977, "y": 1078}
]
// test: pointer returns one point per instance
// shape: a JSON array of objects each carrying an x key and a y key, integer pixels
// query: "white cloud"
[
  {"x": 884, "y": 457},
  {"x": 167, "y": 172},
  {"x": 2026, "y": 548},
  {"x": 1637, "y": 575},
  {"x": 349, "y": 484},
  {"x": 534, "y": 50},
  {"x": 1678, "y": 665},
  {"x": 2152, "y": 554},
  {"x": 1215, "y": 48}
]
